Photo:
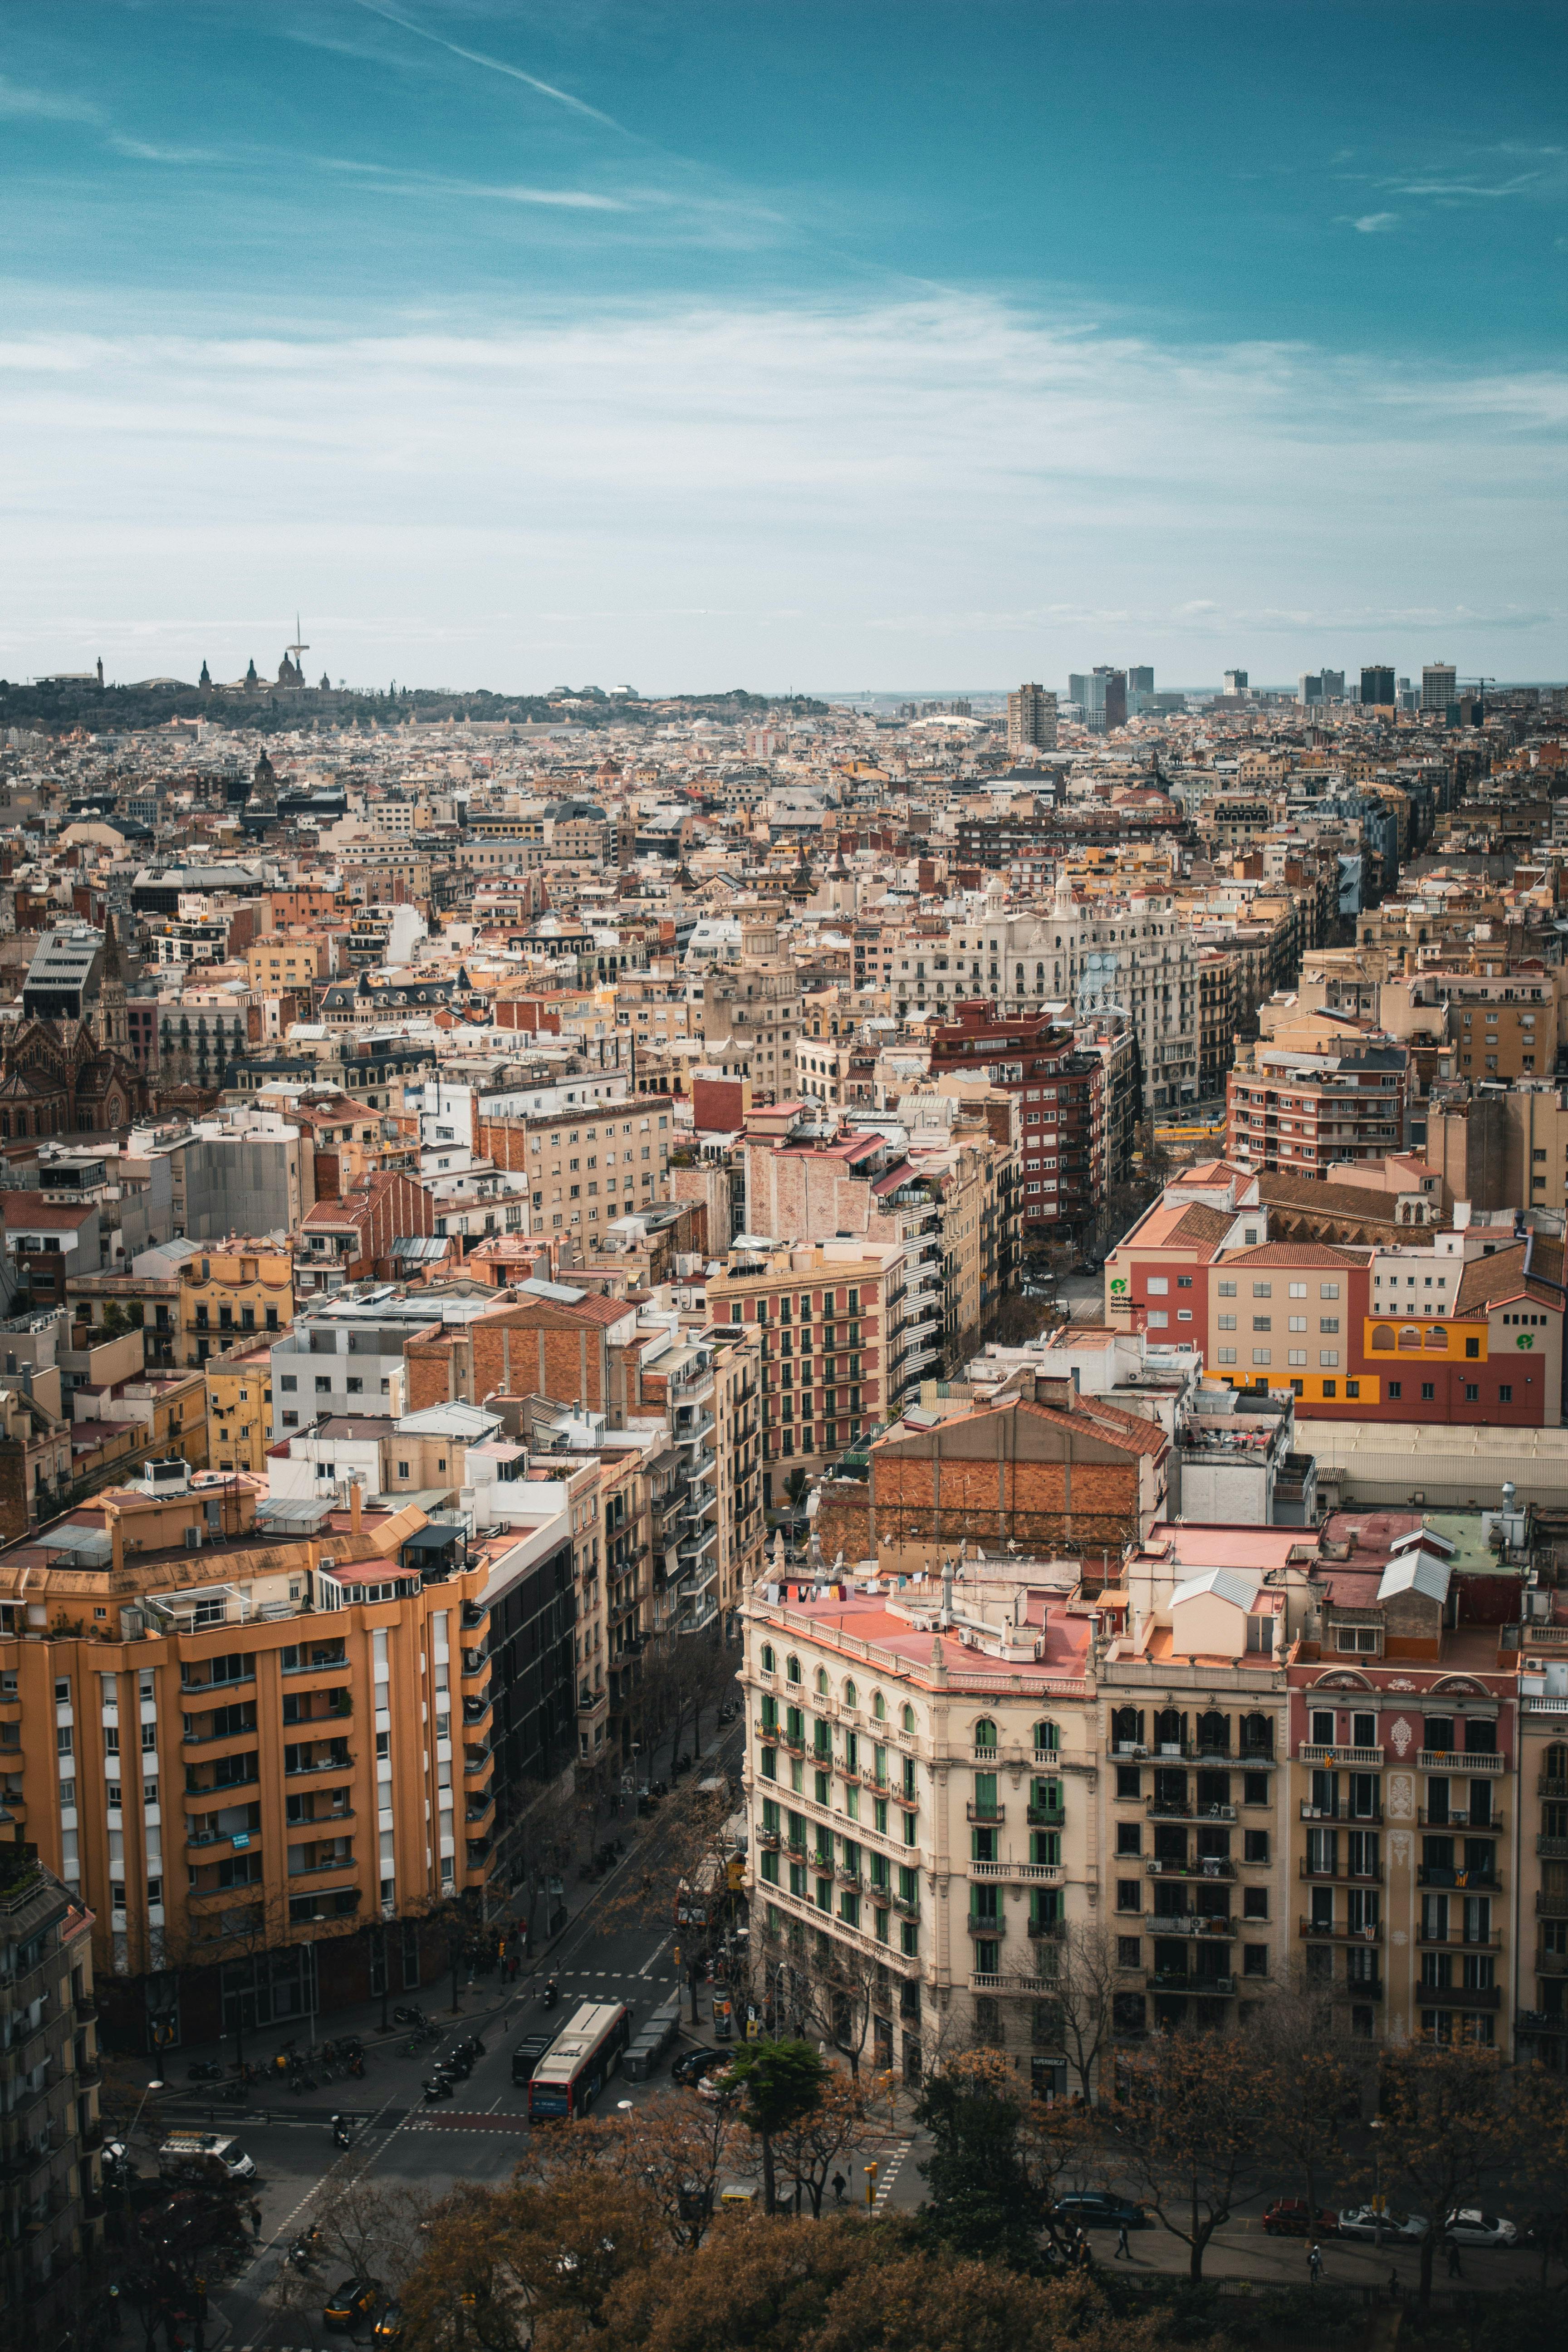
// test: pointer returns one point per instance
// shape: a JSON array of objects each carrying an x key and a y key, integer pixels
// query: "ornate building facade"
[{"x": 65, "y": 1065}]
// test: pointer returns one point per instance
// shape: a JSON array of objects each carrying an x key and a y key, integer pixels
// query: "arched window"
[
  {"x": 909, "y": 1718},
  {"x": 1256, "y": 1735},
  {"x": 822, "y": 1682},
  {"x": 1557, "y": 1768},
  {"x": 849, "y": 1697},
  {"x": 985, "y": 1733},
  {"x": 1045, "y": 1739},
  {"x": 1126, "y": 1728},
  {"x": 1170, "y": 1730},
  {"x": 767, "y": 1660},
  {"x": 792, "y": 1668},
  {"x": 878, "y": 1707},
  {"x": 1213, "y": 1733}
]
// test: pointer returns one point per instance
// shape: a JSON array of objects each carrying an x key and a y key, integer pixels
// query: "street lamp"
[{"x": 1376, "y": 2125}]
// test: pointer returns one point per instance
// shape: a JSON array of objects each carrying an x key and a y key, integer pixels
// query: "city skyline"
[{"x": 688, "y": 346}]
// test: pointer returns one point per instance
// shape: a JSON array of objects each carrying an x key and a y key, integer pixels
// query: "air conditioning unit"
[{"x": 193, "y": 1539}]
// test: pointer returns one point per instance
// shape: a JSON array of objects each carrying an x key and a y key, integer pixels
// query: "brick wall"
[{"x": 915, "y": 1518}]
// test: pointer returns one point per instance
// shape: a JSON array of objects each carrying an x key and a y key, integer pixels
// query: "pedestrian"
[
  {"x": 1454, "y": 2269},
  {"x": 1315, "y": 2261},
  {"x": 1394, "y": 2289},
  {"x": 839, "y": 2186},
  {"x": 256, "y": 2217},
  {"x": 1124, "y": 2250}
]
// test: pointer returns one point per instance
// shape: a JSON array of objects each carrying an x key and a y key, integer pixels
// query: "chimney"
[
  {"x": 116, "y": 1538},
  {"x": 1051, "y": 1389},
  {"x": 354, "y": 1506}
]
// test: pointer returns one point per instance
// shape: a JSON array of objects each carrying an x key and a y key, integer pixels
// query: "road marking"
[
  {"x": 888, "y": 2174},
  {"x": 653, "y": 1956}
]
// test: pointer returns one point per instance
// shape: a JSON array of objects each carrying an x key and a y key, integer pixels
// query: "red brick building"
[
  {"x": 351, "y": 1239},
  {"x": 1059, "y": 1092}
]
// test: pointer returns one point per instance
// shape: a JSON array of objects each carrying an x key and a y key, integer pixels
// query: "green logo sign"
[
  {"x": 1116, "y": 1288},
  {"x": 1525, "y": 1339}
]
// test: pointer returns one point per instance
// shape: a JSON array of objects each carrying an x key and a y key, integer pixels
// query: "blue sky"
[{"x": 847, "y": 345}]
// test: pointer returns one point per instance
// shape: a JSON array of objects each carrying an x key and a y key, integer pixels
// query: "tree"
[
  {"x": 1082, "y": 1988},
  {"x": 834, "y": 2132},
  {"x": 1307, "y": 2083},
  {"x": 1190, "y": 2131},
  {"x": 1446, "y": 2123},
  {"x": 1540, "y": 2105},
  {"x": 530, "y": 2265},
  {"x": 982, "y": 2200},
  {"x": 673, "y": 2148},
  {"x": 368, "y": 2228},
  {"x": 780, "y": 2082}
]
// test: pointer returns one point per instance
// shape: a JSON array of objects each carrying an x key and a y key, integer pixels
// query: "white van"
[{"x": 202, "y": 2156}]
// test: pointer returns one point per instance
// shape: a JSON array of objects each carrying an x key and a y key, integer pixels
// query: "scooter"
[
  {"x": 206, "y": 2070},
  {"x": 439, "y": 2086},
  {"x": 414, "y": 2016},
  {"x": 341, "y": 2134},
  {"x": 458, "y": 2063},
  {"x": 303, "y": 2252},
  {"x": 236, "y": 2094},
  {"x": 552, "y": 1993}
]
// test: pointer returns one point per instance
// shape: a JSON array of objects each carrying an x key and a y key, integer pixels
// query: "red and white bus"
[{"x": 579, "y": 2061}]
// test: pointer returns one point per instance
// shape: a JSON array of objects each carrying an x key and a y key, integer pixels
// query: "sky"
[{"x": 836, "y": 345}]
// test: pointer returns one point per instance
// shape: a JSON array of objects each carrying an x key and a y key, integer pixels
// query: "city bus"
[{"x": 579, "y": 2061}]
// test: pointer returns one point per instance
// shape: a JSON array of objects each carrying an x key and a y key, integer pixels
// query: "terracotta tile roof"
[
  {"x": 1329, "y": 1200},
  {"x": 1202, "y": 1226},
  {"x": 1298, "y": 1254},
  {"x": 1490, "y": 1281}
]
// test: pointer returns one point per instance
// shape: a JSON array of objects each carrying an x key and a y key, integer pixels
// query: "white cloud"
[
  {"x": 50, "y": 106},
  {"x": 775, "y": 493},
  {"x": 1375, "y": 223}
]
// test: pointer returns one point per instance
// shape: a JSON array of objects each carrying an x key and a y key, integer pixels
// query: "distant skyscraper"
[
  {"x": 1437, "y": 685},
  {"x": 1377, "y": 685},
  {"x": 1235, "y": 681},
  {"x": 1310, "y": 687},
  {"x": 1115, "y": 698},
  {"x": 1101, "y": 695},
  {"x": 1141, "y": 680},
  {"x": 1334, "y": 686},
  {"x": 1032, "y": 719}
]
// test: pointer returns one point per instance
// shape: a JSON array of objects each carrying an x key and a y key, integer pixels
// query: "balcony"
[
  {"x": 1369, "y": 1759},
  {"x": 1044, "y": 1930},
  {"x": 1487, "y": 1943},
  {"x": 1040, "y": 1874},
  {"x": 1189, "y": 1923},
  {"x": 1474, "y": 1826},
  {"x": 1442, "y": 1759},
  {"x": 1553, "y": 1849},
  {"x": 1466, "y": 1881},
  {"x": 995, "y": 1814},
  {"x": 1181, "y": 1981},
  {"x": 1551, "y": 1907},
  {"x": 479, "y": 1808},
  {"x": 474, "y": 1614},
  {"x": 1045, "y": 1817},
  {"x": 1431, "y": 1996},
  {"x": 1332, "y": 1932},
  {"x": 1540, "y": 2020},
  {"x": 1551, "y": 1964},
  {"x": 1551, "y": 1784},
  {"x": 1343, "y": 1814},
  {"x": 1352, "y": 1877},
  {"x": 1205, "y": 1866},
  {"x": 988, "y": 1924}
]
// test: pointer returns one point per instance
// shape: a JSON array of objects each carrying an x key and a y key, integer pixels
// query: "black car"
[
  {"x": 692, "y": 2064},
  {"x": 356, "y": 2299},
  {"x": 1098, "y": 2209}
]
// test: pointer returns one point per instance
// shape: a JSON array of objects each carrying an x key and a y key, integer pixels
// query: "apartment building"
[
  {"x": 239, "y": 1406},
  {"x": 258, "y": 1747},
  {"x": 1299, "y": 1106},
  {"x": 1062, "y": 1114},
  {"x": 228, "y": 1291},
  {"x": 748, "y": 1014},
  {"x": 1217, "y": 981},
  {"x": 830, "y": 1319},
  {"x": 51, "y": 2191},
  {"x": 338, "y": 1361},
  {"x": 916, "y": 1776},
  {"x": 1540, "y": 1845},
  {"x": 296, "y": 960},
  {"x": 586, "y": 1164},
  {"x": 708, "y": 1523},
  {"x": 1135, "y": 954}
]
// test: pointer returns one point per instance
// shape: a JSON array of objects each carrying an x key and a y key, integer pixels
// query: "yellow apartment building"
[{"x": 228, "y": 1291}]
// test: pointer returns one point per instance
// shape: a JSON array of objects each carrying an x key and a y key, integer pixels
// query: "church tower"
[{"x": 108, "y": 1018}]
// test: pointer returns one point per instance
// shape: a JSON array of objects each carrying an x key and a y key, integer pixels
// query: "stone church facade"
[{"x": 66, "y": 1063}]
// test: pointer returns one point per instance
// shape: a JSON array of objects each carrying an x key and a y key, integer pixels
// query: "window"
[
  {"x": 1395, "y": 1390},
  {"x": 1327, "y": 1290},
  {"x": 1130, "y": 1895},
  {"x": 1505, "y": 1393},
  {"x": 1263, "y": 1290},
  {"x": 1353, "y": 1388},
  {"x": 1227, "y": 1290},
  {"x": 1263, "y": 1322},
  {"x": 1296, "y": 1289},
  {"x": 1472, "y": 1392},
  {"x": 1260, "y": 1355},
  {"x": 1330, "y": 1388},
  {"x": 1429, "y": 1390}
]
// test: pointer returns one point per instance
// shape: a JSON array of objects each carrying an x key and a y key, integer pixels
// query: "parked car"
[
  {"x": 389, "y": 2325},
  {"x": 720, "y": 2085},
  {"x": 1361, "y": 2222},
  {"x": 1289, "y": 2217},
  {"x": 1098, "y": 2209},
  {"x": 356, "y": 2299},
  {"x": 1469, "y": 2226},
  {"x": 692, "y": 2064}
]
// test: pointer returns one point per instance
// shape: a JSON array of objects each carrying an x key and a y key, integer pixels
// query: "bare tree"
[
  {"x": 1308, "y": 2080},
  {"x": 1082, "y": 1986}
]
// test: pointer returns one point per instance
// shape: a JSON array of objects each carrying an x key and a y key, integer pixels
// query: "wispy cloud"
[
  {"x": 897, "y": 478},
  {"x": 1523, "y": 184},
  {"x": 49, "y": 105},
  {"x": 432, "y": 184},
  {"x": 147, "y": 150},
  {"x": 1375, "y": 223},
  {"x": 491, "y": 65}
]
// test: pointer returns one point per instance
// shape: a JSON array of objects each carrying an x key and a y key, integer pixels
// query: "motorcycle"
[
  {"x": 300, "y": 2081},
  {"x": 206, "y": 2070},
  {"x": 304, "y": 2250},
  {"x": 236, "y": 2094},
  {"x": 414, "y": 2016},
  {"x": 356, "y": 2066},
  {"x": 552, "y": 1993},
  {"x": 341, "y": 2134},
  {"x": 459, "y": 2065},
  {"x": 439, "y": 2086}
]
